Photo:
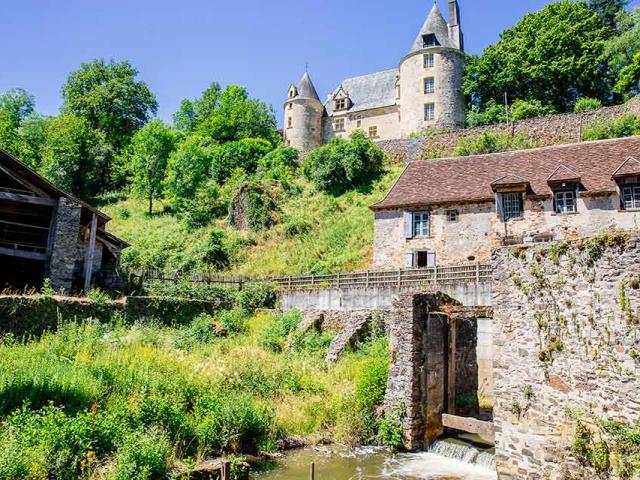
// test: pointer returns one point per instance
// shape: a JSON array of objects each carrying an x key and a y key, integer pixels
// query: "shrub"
[
  {"x": 231, "y": 423},
  {"x": 372, "y": 383},
  {"x": 489, "y": 142},
  {"x": 232, "y": 322},
  {"x": 622, "y": 126},
  {"x": 492, "y": 113},
  {"x": 523, "y": 109},
  {"x": 256, "y": 295},
  {"x": 201, "y": 330},
  {"x": 252, "y": 207},
  {"x": 295, "y": 225},
  {"x": 215, "y": 252},
  {"x": 142, "y": 455},
  {"x": 586, "y": 104},
  {"x": 274, "y": 335},
  {"x": 207, "y": 204},
  {"x": 243, "y": 154},
  {"x": 190, "y": 290},
  {"x": 390, "y": 430},
  {"x": 280, "y": 164},
  {"x": 342, "y": 165}
]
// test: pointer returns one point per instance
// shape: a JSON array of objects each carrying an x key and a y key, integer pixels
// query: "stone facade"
[
  {"x": 567, "y": 347},
  {"x": 66, "y": 241},
  {"x": 303, "y": 123},
  {"x": 479, "y": 230},
  {"x": 384, "y": 120}
]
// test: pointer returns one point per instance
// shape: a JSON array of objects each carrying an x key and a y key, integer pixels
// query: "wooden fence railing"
[{"x": 468, "y": 273}]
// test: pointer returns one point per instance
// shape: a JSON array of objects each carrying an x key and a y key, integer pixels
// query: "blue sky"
[{"x": 181, "y": 46}]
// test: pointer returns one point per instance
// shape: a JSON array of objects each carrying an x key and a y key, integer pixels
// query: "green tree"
[
  {"x": 109, "y": 97},
  {"x": 18, "y": 103},
  {"x": 74, "y": 155},
  {"x": 243, "y": 154},
  {"x": 148, "y": 157},
  {"x": 554, "y": 56},
  {"x": 188, "y": 168},
  {"x": 608, "y": 10},
  {"x": 8, "y": 134},
  {"x": 341, "y": 164},
  {"x": 227, "y": 115},
  {"x": 628, "y": 83},
  {"x": 31, "y": 139}
]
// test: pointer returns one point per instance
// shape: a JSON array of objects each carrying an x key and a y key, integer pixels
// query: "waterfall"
[{"x": 464, "y": 452}]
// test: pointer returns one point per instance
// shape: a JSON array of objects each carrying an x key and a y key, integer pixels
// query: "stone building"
[
  {"x": 455, "y": 210},
  {"x": 47, "y": 233},
  {"x": 424, "y": 91}
]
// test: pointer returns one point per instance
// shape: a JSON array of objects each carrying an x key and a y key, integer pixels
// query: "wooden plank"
[
  {"x": 485, "y": 430},
  {"x": 13, "y": 252},
  {"x": 16, "y": 197},
  {"x": 88, "y": 261}
]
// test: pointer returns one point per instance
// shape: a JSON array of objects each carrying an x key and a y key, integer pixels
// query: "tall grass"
[{"x": 133, "y": 401}]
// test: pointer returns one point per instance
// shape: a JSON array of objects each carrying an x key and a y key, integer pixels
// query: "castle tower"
[
  {"x": 303, "y": 116},
  {"x": 431, "y": 75}
]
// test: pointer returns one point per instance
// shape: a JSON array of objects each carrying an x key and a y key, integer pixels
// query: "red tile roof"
[
  {"x": 466, "y": 179},
  {"x": 631, "y": 166}
]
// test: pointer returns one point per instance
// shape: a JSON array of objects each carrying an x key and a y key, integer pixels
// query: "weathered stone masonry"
[
  {"x": 567, "y": 336},
  {"x": 65, "y": 244}
]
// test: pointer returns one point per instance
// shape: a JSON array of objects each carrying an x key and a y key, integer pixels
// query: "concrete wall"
[
  {"x": 447, "y": 98},
  {"x": 567, "y": 340},
  {"x": 484, "y": 352},
  {"x": 387, "y": 121},
  {"x": 479, "y": 230},
  {"x": 372, "y": 298}
]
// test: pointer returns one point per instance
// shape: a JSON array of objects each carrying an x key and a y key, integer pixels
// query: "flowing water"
[{"x": 448, "y": 459}]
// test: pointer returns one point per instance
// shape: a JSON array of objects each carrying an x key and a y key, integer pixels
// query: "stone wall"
[
  {"x": 549, "y": 130},
  {"x": 65, "y": 245},
  {"x": 567, "y": 347}
]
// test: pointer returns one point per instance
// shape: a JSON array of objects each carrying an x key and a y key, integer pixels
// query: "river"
[{"x": 448, "y": 459}]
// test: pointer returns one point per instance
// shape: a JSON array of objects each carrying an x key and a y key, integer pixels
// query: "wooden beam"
[
  {"x": 88, "y": 261},
  {"x": 485, "y": 430},
  {"x": 17, "y": 197},
  {"x": 21, "y": 180},
  {"x": 13, "y": 252}
]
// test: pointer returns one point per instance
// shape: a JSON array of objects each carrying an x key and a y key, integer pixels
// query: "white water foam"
[{"x": 431, "y": 466}]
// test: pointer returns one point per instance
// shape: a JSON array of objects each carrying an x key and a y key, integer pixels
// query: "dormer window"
[
  {"x": 565, "y": 201},
  {"x": 429, "y": 40},
  {"x": 341, "y": 104},
  {"x": 293, "y": 91}
]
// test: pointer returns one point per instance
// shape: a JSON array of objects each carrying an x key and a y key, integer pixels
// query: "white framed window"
[
  {"x": 373, "y": 132},
  {"x": 453, "y": 216},
  {"x": 631, "y": 197},
  {"x": 338, "y": 124},
  {"x": 429, "y": 112},
  {"x": 425, "y": 259},
  {"x": 429, "y": 85},
  {"x": 512, "y": 205},
  {"x": 565, "y": 201},
  {"x": 428, "y": 60},
  {"x": 421, "y": 224}
]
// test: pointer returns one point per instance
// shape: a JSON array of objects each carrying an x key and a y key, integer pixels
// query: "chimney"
[{"x": 455, "y": 31}]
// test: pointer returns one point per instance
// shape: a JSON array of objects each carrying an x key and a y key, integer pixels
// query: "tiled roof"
[
  {"x": 435, "y": 24},
  {"x": 563, "y": 174},
  {"x": 464, "y": 179},
  {"x": 368, "y": 91},
  {"x": 631, "y": 166},
  {"x": 306, "y": 89}
]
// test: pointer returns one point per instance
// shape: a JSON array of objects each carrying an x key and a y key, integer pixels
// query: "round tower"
[
  {"x": 431, "y": 75},
  {"x": 303, "y": 113}
]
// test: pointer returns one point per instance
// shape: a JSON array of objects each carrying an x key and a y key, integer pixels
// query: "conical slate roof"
[
  {"x": 437, "y": 25},
  {"x": 306, "y": 89}
]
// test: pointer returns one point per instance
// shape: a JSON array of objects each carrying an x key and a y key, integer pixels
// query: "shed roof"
[
  {"x": 466, "y": 179},
  {"x": 366, "y": 92}
]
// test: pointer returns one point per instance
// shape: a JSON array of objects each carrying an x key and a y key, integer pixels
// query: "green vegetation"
[
  {"x": 490, "y": 142},
  {"x": 130, "y": 400},
  {"x": 622, "y": 126},
  {"x": 587, "y": 104}
]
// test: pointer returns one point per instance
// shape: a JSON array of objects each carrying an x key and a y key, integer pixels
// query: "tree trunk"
[{"x": 150, "y": 205}]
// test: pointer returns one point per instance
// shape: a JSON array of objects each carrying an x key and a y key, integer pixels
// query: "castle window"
[
  {"x": 338, "y": 124},
  {"x": 341, "y": 104},
  {"x": 429, "y": 112},
  {"x": 421, "y": 224},
  {"x": 512, "y": 205},
  {"x": 359, "y": 121},
  {"x": 453, "y": 216},
  {"x": 428, "y": 60},
  {"x": 291, "y": 106},
  {"x": 429, "y": 85},
  {"x": 373, "y": 132},
  {"x": 429, "y": 40},
  {"x": 289, "y": 122}
]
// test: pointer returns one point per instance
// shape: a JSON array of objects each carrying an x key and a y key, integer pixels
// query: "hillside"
[{"x": 315, "y": 232}]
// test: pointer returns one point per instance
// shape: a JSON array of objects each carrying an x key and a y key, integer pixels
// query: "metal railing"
[{"x": 467, "y": 273}]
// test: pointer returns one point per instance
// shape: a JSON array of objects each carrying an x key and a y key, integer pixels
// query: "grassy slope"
[{"x": 340, "y": 236}]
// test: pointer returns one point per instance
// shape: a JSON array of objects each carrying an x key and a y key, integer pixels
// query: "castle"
[{"x": 425, "y": 91}]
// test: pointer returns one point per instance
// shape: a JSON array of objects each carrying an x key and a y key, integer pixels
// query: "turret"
[
  {"x": 431, "y": 75},
  {"x": 303, "y": 116}
]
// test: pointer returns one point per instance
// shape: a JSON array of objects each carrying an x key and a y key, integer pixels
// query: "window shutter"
[
  {"x": 499, "y": 206},
  {"x": 431, "y": 259},
  {"x": 409, "y": 263},
  {"x": 408, "y": 224}
]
